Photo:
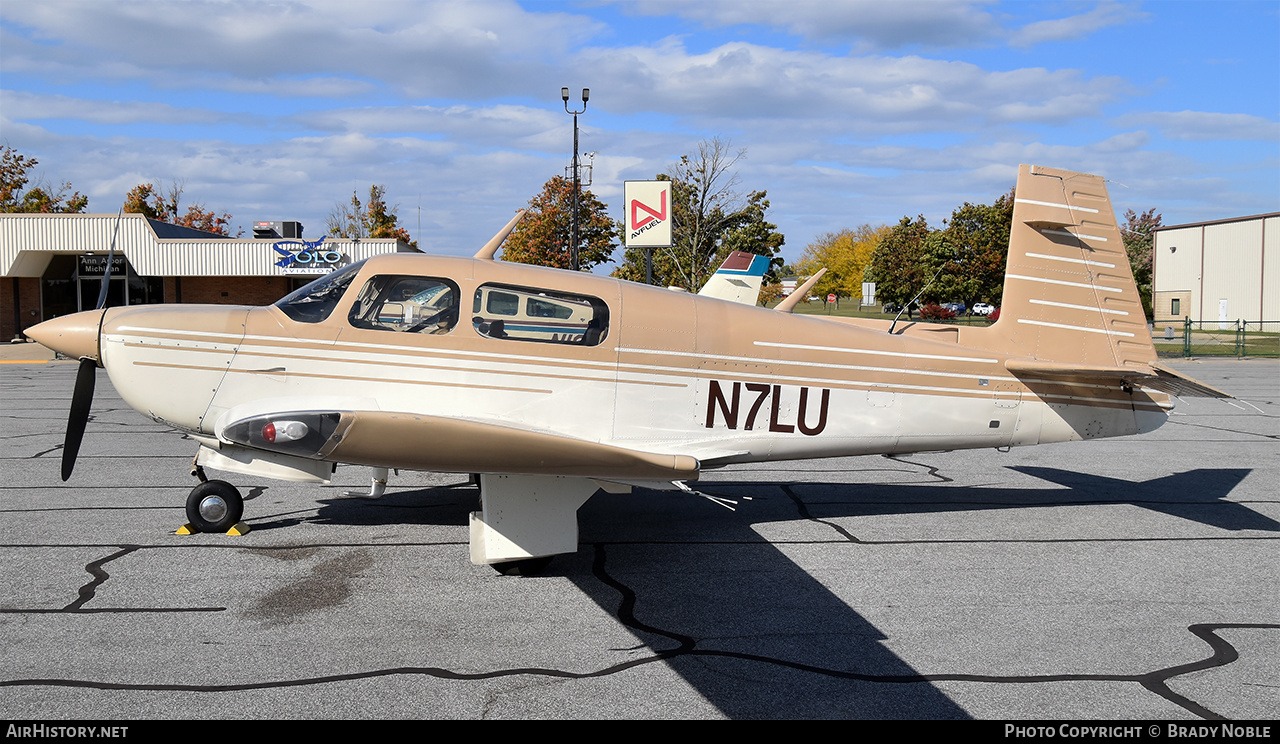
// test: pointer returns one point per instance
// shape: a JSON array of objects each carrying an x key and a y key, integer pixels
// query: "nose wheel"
[{"x": 214, "y": 506}]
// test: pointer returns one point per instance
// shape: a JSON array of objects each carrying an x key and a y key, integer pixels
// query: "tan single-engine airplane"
[{"x": 553, "y": 384}]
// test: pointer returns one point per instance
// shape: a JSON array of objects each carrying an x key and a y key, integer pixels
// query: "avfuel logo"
[
  {"x": 649, "y": 212},
  {"x": 730, "y": 405},
  {"x": 653, "y": 216}
]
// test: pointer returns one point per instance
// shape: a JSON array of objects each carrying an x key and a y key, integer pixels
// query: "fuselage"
[{"x": 662, "y": 371}]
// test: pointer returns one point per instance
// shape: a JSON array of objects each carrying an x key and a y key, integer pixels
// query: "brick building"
[{"x": 53, "y": 264}]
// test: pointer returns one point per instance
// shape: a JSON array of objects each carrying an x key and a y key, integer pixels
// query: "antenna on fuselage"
[
  {"x": 487, "y": 252},
  {"x": 793, "y": 299},
  {"x": 936, "y": 274}
]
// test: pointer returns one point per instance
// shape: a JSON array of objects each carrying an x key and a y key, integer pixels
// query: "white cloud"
[
  {"x": 35, "y": 106},
  {"x": 279, "y": 110},
  {"x": 1206, "y": 125},
  {"x": 870, "y": 24},
  {"x": 444, "y": 49},
  {"x": 743, "y": 82},
  {"x": 1077, "y": 26}
]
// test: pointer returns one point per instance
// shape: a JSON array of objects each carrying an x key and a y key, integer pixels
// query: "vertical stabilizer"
[
  {"x": 1069, "y": 294},
  {"x": 738, "y": 279}
]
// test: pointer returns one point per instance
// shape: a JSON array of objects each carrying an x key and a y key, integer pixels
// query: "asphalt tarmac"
[{"x": 1131, "y": 578}]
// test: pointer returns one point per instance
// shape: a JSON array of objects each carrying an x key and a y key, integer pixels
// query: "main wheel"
[
  {"x": 523, "y": 567},
  {"x": 214, "y": 506}
]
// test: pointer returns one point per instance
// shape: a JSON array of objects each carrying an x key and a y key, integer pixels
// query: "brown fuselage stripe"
[
  {"x": 342, "y": 377},
  {"x": 683, "y": 372}
]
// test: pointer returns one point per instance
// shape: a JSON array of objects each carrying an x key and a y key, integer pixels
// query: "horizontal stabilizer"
[{"x": 1155, "y": 376}]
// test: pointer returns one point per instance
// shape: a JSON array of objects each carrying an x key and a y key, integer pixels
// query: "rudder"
[{"x": 1069, "y": 294}]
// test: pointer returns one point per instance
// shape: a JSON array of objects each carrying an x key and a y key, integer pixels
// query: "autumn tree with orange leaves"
[
  {"x": 543, "y": 236},
  {"x": 15, "y": 169},
  {"x": 372, "y": 219},
  {"x": 161, "y": 203}
]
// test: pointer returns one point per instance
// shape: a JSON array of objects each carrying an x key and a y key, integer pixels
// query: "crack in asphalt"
[
  {"x": 933, "y": 471},
  {"x": 1155, "y": 681},
  {"x": 804, "y": 512},
  {"x": 99, "y": 575},
  {"x": 88, "y": 591}
]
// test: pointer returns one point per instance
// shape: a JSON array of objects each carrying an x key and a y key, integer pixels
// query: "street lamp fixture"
[{"x": 577, "y": 179}]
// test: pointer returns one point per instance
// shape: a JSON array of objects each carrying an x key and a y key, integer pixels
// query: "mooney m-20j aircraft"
[{"x": 553, "y": 384}]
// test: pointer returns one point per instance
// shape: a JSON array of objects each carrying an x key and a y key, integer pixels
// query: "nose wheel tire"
[{"x": 214, "y": 506}]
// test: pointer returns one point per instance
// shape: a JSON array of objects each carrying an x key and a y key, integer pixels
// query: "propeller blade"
[
  {"x": 81, "y": 399},
  {"x": 106, "y": 282}
]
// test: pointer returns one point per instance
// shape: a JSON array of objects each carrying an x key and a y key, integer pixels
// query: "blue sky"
[{"x": 850, "y": 112}]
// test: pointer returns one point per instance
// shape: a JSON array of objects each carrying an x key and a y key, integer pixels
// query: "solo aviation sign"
[
  {"x": 306, "y": 256},
  {"x": 648, "y": 213}
]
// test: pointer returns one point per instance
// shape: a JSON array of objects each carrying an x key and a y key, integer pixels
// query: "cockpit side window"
[
  {"x": 314, "y": 302},
  {"x": 542, "y": 315},
  {"x": 408, "y": 304}
]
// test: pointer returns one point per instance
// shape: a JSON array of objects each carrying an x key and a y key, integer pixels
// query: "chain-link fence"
[{"x": 1238, "y": 338}]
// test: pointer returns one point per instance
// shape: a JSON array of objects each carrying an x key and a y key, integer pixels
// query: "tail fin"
[
  {"x": 1069, "y": 294},
  {"x": 738, "y": 279}
]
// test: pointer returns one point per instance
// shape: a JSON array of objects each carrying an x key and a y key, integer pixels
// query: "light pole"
[{"x": 573, "y": 230}]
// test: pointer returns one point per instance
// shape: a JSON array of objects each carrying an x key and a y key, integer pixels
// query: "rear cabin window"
[
  {"x": 540, "y": 315},
  {"x": 408, "y": 304}
]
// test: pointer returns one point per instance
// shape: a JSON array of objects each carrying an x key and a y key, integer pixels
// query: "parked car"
[
  {"x": 956, "y": 307},
  {"x": 891, "y": 307},
  {"x": 984, "y": 309}
]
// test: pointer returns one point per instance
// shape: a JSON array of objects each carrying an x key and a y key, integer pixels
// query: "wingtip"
[{"x": 487, "y": 252}]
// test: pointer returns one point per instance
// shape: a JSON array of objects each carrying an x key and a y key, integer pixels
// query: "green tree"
[
  {"x": 748, "y": 231},
  {"x": 977, "y": 241},
  {"x": 162, "y": 203},
  {"x": 544, "y": 235},
  {"x": 898, "y": 264},
  {"x": 15, "y": 171},
  {"x": 709, "y": 219},
  {"x": 964, "y": 261},
  {"x": 374, "y": 219},
  {"x": 1138, "y": 233},
  {"x": 845, "y": 255}
]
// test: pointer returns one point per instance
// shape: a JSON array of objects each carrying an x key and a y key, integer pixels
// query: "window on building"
[
  {"x": 532, "y": 314},
  {"x": 1175, "y": 307}
]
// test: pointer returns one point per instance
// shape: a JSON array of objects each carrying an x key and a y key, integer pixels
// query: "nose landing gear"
[{"x": 214, "y": 506}]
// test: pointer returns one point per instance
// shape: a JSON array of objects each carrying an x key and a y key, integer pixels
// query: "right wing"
[{"x": 437, "y": 443}]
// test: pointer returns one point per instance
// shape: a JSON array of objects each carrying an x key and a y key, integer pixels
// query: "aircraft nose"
[{"x": 74, "y": 335}]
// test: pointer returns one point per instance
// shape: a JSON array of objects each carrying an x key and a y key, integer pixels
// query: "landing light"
[{"x": 285, "y": 431}]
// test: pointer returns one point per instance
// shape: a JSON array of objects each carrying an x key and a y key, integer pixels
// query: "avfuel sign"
[{"x": 648, "y": 213}]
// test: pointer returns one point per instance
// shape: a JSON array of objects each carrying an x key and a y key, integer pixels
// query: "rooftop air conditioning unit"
[{"x": 277, "y": 230}]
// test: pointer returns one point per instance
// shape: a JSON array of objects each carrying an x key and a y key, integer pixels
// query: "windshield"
[{"x": 314, "y": 302}]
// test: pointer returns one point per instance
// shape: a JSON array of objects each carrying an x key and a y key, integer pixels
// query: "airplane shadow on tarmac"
[{"x": 743, "y": 623}]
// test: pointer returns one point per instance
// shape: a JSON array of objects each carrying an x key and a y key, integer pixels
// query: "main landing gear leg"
[
  {"x": 376, "y": 488},
  {"x": 524, "y": 520}
]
